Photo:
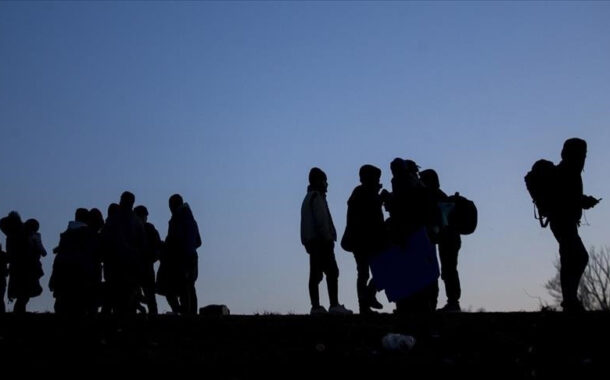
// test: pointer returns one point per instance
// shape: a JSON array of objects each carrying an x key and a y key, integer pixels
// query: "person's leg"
[
  {"x": 371, "y": 290},
  {"x": 448, "y": 248},
  {"x": 190, "y": 303},
  {"x": 573, "y": 258},
  {"x": 581, "y": 259},
  {"x": 362, "y": 267},
  {"x": 20, "y": 304},
  {"x": 172, "y": 300},
  {"x": 331, "y": 270},
  {"x": 432, "y": 296},
  {"x": 315, "y": 277},
  {"x": 150, "y": 300},
  {"x": 188, "y": 299},
  {"x": 2, "y": 292},
  {"x": 148, "y": 288},
  {"x": 194, "y": 301}
]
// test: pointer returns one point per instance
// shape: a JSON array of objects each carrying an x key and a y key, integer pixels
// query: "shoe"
[
  {"x": 373, "y": 303},
  {"x": 339, "y": 310},
  {"x": 453, "y": 307},
  {"x": 318, "y": 310}
]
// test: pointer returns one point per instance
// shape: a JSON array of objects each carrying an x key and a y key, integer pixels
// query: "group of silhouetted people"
[
  {"x": 413, "y": 204},
  {"x": 417, "y": 201},
  {"x": 106, "y": 265}
]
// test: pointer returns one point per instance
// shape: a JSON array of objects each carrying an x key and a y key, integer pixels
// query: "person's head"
[
  {"x": 411, "y": 167},
  {"x": 430, "y": 179},
  {"x": 127, "y": 200},
  {"x": 175, "y": 202},
  {"x": 398, "y": 167},
  {"x": 31, "y": 226},
  {"x": 317, "y": 179},
  {"x": 81, "y": 215},
  {"x": 95, "y": 219},
  {"x": 141, "y": 212},
  {"x": 14, "y": 217},
  {"x": 369, "y": 175},
  {"x": 113, "y": 210},
  {"x": 574, "y": 153},
  {"x": 11, "y": 223}
]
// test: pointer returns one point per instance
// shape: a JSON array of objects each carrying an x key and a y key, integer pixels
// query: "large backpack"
[
  {"x": 540, "y": 183},
  {"x": 463, "y": 218}
]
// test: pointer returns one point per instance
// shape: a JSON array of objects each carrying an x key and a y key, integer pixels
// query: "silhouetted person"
[
  {"x": 123, "y": 243},
  {"x": 95, "y": 222},
  {"x": 318, "y": 235},
  {"x": 449, "y": 243},
  {"x": 178, "y": 269},
  {"x": 565, "y": 218},
  {"x": 151, "y": 255},
  {"x": 394, "y": 201},
  {"x": 364, "y": 232},
  {"x": 407, "y": 204},
  {"x": 25, "y": 269},
  {"x": 3, "y": 274},
  {"x": 410, "y": 207},
  {"x": 108, "y": 259},
  {"x": 34, "y": 239},
  {"x": 75, "y": 278}
]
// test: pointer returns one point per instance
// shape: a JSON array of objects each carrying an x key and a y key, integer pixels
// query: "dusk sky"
[{"x": 231, "y": 103}]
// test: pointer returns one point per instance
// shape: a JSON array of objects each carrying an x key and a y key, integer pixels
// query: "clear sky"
[{"x": 231, "y": 104}]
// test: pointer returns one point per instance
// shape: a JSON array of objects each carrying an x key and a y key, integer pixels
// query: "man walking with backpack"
[
  {"x": 565, "y": 219},
  {"x": 318, "y": 235},
  {"x": 560, "y": 198}
]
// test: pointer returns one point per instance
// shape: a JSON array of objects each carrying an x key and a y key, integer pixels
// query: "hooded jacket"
[{"x": 316, "y": 221}]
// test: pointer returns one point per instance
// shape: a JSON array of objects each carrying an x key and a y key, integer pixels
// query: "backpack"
[
  {"x": 540, "y": 183},
  {"x": 463, "y": 217}
]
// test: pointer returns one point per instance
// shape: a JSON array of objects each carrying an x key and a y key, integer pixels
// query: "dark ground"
[{"x": 458, "y": 345}]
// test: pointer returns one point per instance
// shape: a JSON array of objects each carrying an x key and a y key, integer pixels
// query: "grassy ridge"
[{"x": 490, "y": 345}]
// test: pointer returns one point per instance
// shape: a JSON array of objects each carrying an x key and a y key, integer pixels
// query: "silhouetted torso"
[
  {"x": 568, "y": 193},
  {"x": 365, "y": 219},
  {"x": 25, "y": 269},
  {"x": 123, "y": 243},
  {"x": 182, "y": 241},
  {"x": 75, "y": 278}
]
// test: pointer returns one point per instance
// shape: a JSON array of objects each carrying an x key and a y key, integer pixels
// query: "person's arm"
[
  {"x": 40, "y": 247},
  {"x": 321, "y": 219},
  {"x": 589, "y": 201}
]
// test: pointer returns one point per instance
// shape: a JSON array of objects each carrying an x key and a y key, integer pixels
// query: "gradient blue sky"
[{"x": 230, "y": 104}]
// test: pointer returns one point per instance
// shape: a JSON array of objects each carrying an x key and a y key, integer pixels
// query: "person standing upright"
[
  {"x": 181, "y": 245},
  {"x": 564, "y": 218},
  {"x": 123, "y": 243},
  {"x": 318, "y": 235},
  {"x": 25, "y": 269},
  {"x": 148, "y": 259},
  {"x": 364, "y": 233},
  {"x": 449, "y": 244}
]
